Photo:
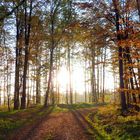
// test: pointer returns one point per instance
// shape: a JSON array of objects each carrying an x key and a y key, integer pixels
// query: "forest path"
[{"x": 69, "y": 125}]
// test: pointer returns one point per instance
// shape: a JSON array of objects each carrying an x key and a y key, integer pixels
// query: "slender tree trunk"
[
  {"x": 57, "y": 71},
  {"x": 85, "y": 74},
  {"x": 52, "y": 47},
  {"x": 52, "y": 92},
  {"x": 114, "y": 79},
  {"x": 103, "y": 94},
  {"x": 28, "y": 91},
  {"x": 34, "y": 86},
  {"x": 138, "y": 6},
  {"x": 98, "y": 79},
  {"x": 121, "y": 73},
  {"x": 69, "y": 71},
  {"x": 16, "y": 92},
  {"x": 4, "y": 94},
  {"x": 27, "y": 38},
  {"x": 131, "y": 71},
  {"x": 7, "y": 85},
  {"x": 120, "y": 55},
  {"x": 93, "y": 79},
  {"x": 50, "y": 75},
  {"x": 38, "y": 79}
]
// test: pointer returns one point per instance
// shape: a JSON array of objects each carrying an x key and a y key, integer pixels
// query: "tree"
[
  {"x": 8, "y": 13},
  {"x": 58, "y": 21}
]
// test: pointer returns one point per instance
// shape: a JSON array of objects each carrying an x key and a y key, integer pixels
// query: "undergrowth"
[
  {"x": 13, "y": 120},
  {"x": 109, "y": 122}
]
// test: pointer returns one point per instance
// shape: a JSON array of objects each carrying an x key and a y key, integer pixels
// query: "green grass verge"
[
  {"x": 13, "y": 120},
  {"x": 112, "y": 126},
  {"x": 80, "y": 105}
]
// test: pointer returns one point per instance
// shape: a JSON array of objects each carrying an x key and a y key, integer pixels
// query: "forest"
[{"x": 69, "y": 69}]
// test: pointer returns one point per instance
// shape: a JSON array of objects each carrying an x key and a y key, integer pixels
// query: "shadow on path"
[
  {"x": 90, "y": 130},
  {"x": 28, "y": 130},
  {"x": 86, "y": 126}
]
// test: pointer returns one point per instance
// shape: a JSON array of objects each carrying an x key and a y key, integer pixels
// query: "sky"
[{"x": 78, "y": 79}]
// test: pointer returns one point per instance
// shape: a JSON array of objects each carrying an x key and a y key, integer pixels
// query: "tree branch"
[{"x": 11, "y": 12}]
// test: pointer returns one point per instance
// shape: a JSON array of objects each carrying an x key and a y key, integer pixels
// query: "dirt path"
[{"x": 57, "y": 126}]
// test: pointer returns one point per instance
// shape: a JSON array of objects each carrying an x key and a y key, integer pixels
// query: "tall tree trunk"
[
  {"x": 131, "y": 72},
  {"x": 8, "y": 80},
  {"x": 26, "y": 58},
  {"x": 50, "y": 75},
  {"x": 38, "y": 79},
  {"x": 28, "y": 90},
  {"x": 138, "y": 6},
  {"x": 69, "y": 71},
  {"x": 16, "y": 92},
  {"x": 120, "y": 55},
  {"x": 57, "y": 71},
  {"x": 98, "y": 79},
  {"x": 4, "y": 90},
  {"x": 52, "y": 47},
  {"x": 121, "y": 73},
  {"x": 85, "y": 74},
  {"x": 103, "y": 94},
  {"x": 93, "y": 79}
]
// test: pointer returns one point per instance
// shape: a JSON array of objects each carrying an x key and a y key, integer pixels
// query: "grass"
[
  {"x": 106, "y": 121},
  {"x": 79, "y": 106},
  {"x": 13, "y": 120},
  {"x": 112, "y": 126},
  {"x": 58, "y": 109}
]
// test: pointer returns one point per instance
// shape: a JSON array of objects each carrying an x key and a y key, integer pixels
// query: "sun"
[
  {"x": 63, "y": 77},
  {"x": 77, "y": 80}
]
